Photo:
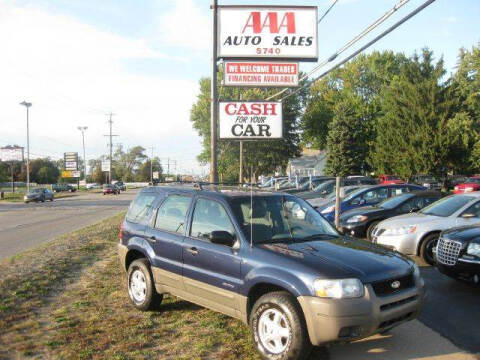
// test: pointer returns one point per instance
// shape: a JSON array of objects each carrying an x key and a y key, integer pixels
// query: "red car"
[
  {"x": 471, "y": 184},
  {"x": 390, "y": 179},
  {"x": 110, "y": 189}
]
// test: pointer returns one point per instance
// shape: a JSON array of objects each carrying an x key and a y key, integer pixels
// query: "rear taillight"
[{"x": 121, "y": 233}]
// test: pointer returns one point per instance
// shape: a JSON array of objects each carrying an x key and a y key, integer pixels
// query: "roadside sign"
[
  {"x": 279, "y": 74},
  {"x": 105, "y": 165},
  {"x": 75, "y": 174},
  {"x": 250, "y": 120},
  {"x": 11, "y": 153},
  {"x": 70, "y": 165},
  {"x": 71, "y": 160},
  {"x": 156, "y": 175},
  {"x": 269, "y": 32},
  {"x": 66, "y": 174}
]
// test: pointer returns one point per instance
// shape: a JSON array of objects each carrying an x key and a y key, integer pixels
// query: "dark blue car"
[
  {"x": 268, "y": 259},
  {"x": 366, "y": 197}
]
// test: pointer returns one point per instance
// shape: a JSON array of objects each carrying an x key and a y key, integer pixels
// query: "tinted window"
[
  {"x": 209, "y": 216},
  {"x": 171, "y": 214},
  {"x": 372, "y": 196},
  {"x": 447, "y": 206},
  {"x": 140, "y": 207},
  {"x": 474, "y": 209},
  {"x": 394, "y": 202}
]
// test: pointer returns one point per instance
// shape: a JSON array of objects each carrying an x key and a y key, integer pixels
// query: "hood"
[
  {"x": 316, "y": 202},
  {"x": 463, "y": 234},
  {"x": 364, "y": 210},
  {"x": 309, "y": 195},
  {"x": 410, "y": 219},
  {"x": 344, "y": 257}
]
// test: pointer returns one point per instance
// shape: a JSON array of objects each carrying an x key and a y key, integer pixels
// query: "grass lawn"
[{"x": 67, "y": 299}]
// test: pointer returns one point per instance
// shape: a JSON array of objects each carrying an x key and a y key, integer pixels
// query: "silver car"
[{"x": 417, "y": 233}]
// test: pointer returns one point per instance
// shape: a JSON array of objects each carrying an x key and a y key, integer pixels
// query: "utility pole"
[
  {"x": 337, "y": 202},
  {"x": 151, "y": 167},
  {"x": 83, "y": 129},
  {"x": 240, "y": 175},
  {"x": 27, "y": 105},
  {"x": 168, "y": 166},
  {"x": 110, "y": 135},
  {"x": 213, "y": 103}
]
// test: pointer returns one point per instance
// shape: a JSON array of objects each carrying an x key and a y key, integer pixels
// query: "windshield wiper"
[{"x": 320, "y": 236}]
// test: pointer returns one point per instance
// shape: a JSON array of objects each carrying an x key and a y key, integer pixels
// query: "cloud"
[
  {"x": 185, "y": 25},
  {"x": 450, "y": 19},
  {"x": 74, "y": 73}
]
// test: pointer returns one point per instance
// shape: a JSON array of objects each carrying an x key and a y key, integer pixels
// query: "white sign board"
[
  {"x": 71, "y": 165},
  {"x": 156, "y": 175},
  {"x": 236, "y": 73},
  {"x": 11, "y": 153},
  {"x": 105, "y": 165},
  {"x": 268, "y": 32},
  {"x": 256, "y": 120},
  {"x": 75, "y": 174}
]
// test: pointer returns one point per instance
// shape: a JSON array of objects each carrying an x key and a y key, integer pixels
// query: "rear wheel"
[
  {"x": 426, "y": 250},
  {"x": 278, "y": 328},
  {"x": 141, "y": 287}
]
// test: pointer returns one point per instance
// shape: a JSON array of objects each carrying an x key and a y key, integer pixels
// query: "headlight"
[
  {"x": 357, "y": 219},
  {"x": 468, "y": 189},
  {"x": 328, "y": 209},
  {"x": 338, "y": 289},
  {"x": 473, "y": 249},
  {"x": 402, "y": 230}
]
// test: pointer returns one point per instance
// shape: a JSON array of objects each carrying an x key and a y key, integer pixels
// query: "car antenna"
[{"x": 251, "y": 208}]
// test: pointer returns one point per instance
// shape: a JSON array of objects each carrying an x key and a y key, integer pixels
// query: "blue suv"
[
  {"x": 268, "y": 259},
  {"x": 367, "y": 196}
]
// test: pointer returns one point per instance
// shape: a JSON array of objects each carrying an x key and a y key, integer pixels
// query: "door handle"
[
  {"x": 193, "y": 250},
  {"x": 153, "y": 238}
]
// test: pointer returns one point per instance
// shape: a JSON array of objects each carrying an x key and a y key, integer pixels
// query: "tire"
[
  {"x": 370, "y": 229},
  {"x": 140, "y": 285},
  {"x": 280, "y": 311},
  {"x": 426, "y": 249}
]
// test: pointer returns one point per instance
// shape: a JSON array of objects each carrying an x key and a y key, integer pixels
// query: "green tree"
[
  {"x": 125, "y": 164},
  {"x": 263, "y": 156},
  {"x": 44, "y": 171},
  {"x": 144, "y": 173}
]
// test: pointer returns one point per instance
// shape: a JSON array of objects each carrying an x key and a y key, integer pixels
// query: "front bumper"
[
  {"x": 354, "y": 229},
  {"x": 405, "y": 244},
  {"x": 330, "y": 320},
  {"x": 462, "y": 269}
]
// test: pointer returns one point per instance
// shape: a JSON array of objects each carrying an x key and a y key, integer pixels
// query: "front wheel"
[
  {"x": 278, "y": 328},
  {"x": 141, "y": 287},
  {"x": 426, "y": 250}
]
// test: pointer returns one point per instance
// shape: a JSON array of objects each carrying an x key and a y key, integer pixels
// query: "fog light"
[{"x": 350, "y": 332}]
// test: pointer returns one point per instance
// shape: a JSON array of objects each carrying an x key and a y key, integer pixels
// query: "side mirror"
[
  {"x": 222, "y": 238},
  {"x": 468, "y": 215}
]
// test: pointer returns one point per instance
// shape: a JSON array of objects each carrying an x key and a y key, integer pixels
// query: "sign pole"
[
  {"x": 13, "y": 179},
  {"x": 337, "y": 202},
  {"x": 213, "y": 104},
  {"x": 240, "y": 175}
]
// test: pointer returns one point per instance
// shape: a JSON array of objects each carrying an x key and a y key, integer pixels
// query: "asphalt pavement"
[{"x": 23, "y": 226}]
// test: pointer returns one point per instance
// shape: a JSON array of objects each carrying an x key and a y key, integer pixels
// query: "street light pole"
[
  {"x": 83, "y": 129},
  {"x": 27, "y": 105},
  {"x": 214, "y": 104}
]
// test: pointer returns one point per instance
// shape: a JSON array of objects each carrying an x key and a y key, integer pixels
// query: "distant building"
[{"x": 312, "y": 162}]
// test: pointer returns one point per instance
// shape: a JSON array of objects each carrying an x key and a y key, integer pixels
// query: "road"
[{"x": 23, "y": 226}]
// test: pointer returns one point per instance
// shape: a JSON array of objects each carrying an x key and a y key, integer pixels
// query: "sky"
[{"x": 78, "y": 60}]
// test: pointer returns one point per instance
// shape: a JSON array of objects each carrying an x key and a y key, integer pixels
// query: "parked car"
[
  {"x": 328, "y": 187},
  {"x": 360, "y": 222},
  {"x": 366, "y": 197},
  {"x": 63, "y": 187},
  {"x": 110, "y": 189},
  {"x": 38, "y": 194},
  {"x": 458, "y": 253},
  {"x": 93, "y": 186},
  {"x": 471, "y": 184},
  {"x": 295, "y": 281},
  {"x": 390, "y": 179},
  {"x": 344, "y": 191},
  {"x": 417, "y": 233},
  {"x": 428, "y": 181},
  {"x": 120, "y": 185},
  {"x": 308, "y": 184}
]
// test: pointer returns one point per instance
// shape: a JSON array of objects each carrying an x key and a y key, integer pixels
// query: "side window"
[
  {"x": 474, "y": 209},
  {"x": 140, "y": 207},
  {"x": 399, "y": 190},
  {"x": 209, "y": 216},
  {"x": 375, "y": 196},
  {"x": 172, "y": 213},
  {"x": 410, "y": 205}
]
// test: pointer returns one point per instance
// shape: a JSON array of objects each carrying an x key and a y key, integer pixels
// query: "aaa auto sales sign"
[
  {"x": 237, "y": 73},
  {"x": 268, "y": 32},
  {"x": 256, "y": 120}
]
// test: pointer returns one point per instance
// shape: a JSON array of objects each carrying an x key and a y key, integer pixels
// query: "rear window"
[
  {"x": 172, "y": 213},
  {"x": 447, "y": 206},
  {"x": 140, "y": 207}
]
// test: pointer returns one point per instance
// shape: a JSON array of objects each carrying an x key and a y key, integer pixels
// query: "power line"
[
  {"x": 326, "y": 12},
  {"x": 349, "y": 44},
  {"x": 363, "y": 48}
]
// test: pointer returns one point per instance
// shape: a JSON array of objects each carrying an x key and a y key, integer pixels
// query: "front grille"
[
  {"x": 448, "y": 251},
  {"x": 397, "y": 303},
  {"x": 384, "y": 287},
  {"x": 395, "y": 320}
]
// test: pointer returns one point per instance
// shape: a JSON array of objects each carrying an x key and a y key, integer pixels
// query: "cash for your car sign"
[
  {"x": 255, "y": 120},
  {"x": 260, "y": 73},
  {"x": 270, "y": 32}
]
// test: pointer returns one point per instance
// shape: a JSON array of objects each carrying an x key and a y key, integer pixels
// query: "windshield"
[
  {"x": 327, "y": 186},
  {"x": 36, "y": 190},
  {"x": 447, "y": 206},
  {"x": 279, "y": 218},
  {"x": 346, "y": 191},
  {"x": 395, "y": 201},
  {"x": 354, "y": 193}
]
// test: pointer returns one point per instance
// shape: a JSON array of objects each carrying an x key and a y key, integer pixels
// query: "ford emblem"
[{"x": 395, "y": 284}]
